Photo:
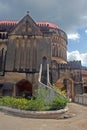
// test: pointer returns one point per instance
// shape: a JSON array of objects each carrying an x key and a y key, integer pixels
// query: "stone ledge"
[{"x": 57, "y": 114}]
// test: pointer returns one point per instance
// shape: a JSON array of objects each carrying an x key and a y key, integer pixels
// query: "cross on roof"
[{"x": 28, "y": 12}]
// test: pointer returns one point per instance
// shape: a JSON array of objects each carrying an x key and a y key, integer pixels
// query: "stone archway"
[
  {"x": 23, "y": 88},
  {"x": 66, "y": 83}
]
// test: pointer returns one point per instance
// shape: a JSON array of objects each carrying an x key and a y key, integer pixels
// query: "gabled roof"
[
  {"x": 10, "y": 25},
  {"x": 26, "y": 26}
]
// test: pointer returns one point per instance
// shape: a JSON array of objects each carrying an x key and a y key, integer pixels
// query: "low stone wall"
[
  {"x": 58, "y": 114},
  {"x": 81, "y": 98}
]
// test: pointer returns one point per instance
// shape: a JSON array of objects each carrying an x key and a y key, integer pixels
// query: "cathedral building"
[{"x": 25, "y": 45}]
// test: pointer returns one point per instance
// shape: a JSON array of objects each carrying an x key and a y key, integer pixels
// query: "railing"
[
  {"x": 81, "y": 99},
  {"x": 48, "y": 78},
  {"x": 51, "y": 93},
  {"x": 40, "y": 72}
]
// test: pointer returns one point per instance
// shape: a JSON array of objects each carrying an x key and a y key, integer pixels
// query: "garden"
[{"x": 37, "y": 103}]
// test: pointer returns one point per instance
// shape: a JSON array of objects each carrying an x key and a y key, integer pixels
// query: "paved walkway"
[{"x": 77, "y": 122}]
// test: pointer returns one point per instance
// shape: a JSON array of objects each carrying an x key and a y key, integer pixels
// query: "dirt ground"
[{"x": 77, "y": 121}]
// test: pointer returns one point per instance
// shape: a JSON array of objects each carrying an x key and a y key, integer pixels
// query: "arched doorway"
[
  {"x": 68, "y": 87},
  {"x": 44, "y": 63},
  {"x": 23, "y": 88},
  {"x": 67, "y": 84}
]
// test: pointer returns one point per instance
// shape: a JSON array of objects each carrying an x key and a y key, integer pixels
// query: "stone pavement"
[{"x": 78, "y": 121}]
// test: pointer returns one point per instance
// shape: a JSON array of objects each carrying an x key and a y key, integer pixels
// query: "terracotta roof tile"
[
  {"x": 38, "y": 23},
  {"x": 8, "y": 22},
  {"x": 52, "y": 25},
  {"x": 84, "y": 72}
]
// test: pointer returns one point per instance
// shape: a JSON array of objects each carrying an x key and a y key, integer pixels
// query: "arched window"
[{"x": 44, "y": 63}]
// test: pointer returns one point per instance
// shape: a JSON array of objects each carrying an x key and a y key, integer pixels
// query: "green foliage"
[
  {"x": 33, "y": 104},
  {"x": 19, "y": 103},
  {"x": 42, "y": 93},
  {"x": 36, "y": 105},
  {"x": 22, "y": 103},
  {"x": 63, "y": 92},
  {"x": 58, "y": 103},
  {"x": 1, "y": 103}
]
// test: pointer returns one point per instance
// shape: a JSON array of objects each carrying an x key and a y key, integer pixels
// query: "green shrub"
[
  {"x": 1, "y": 103},
  {"x": 42, "y": 93},
  {"x": 34, "y": 104},
  {"x": 58, "y": 103},
  {"x": 22, "y": 103},
  {"x": 63, "y": 92},
  {"x": 19, "y": 103}
]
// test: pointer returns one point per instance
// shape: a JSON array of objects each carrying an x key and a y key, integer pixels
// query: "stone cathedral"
[{"x": 26, "y": 47}]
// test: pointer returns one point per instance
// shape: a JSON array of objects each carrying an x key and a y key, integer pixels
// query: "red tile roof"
[
  {"x": 52, "y": 25},
  {"x": 48, "y": 24},
  {"x": 8, "y": 22},
  {"x": 84, "y": 72}
]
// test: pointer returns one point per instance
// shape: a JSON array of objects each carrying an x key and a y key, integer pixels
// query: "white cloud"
[
  {"x": 68, "y": 15},
  {"x": 84, "y": 17},
  {"x": 76, "y": 55},
  {"x": 86, "y": 31},
  {"x": 74, "y": 36}
]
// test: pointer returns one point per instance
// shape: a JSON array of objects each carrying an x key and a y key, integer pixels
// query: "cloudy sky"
[{"x": 69, "y": 15}]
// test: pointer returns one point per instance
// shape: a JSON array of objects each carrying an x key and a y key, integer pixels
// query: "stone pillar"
[
  {"x": 31, "y": 53},
  {"x": 72, "y": 90},
  {"x": 58, "y": 49},
  {"x": 16, "y": 54},
  {"x": 14, "y": 91},
  {"x": 53, "y": 50},
  {"x": 34, "y": 60},
  {"x": 22, "y": 53},
  {"x": 27, "y": 64}
]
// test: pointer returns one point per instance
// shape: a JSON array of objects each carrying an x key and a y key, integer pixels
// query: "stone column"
[
  {"x": 27, "y": 54},
  {"x": 31, "y": 53},
  {"x": 58, "y": 50},
  {"x": 16, "y": 54},
  {"x": 22, "y": 54},
  {"x": 14, "y": 91},
  {"x": 34, "y": 60},
  {"x": 53, "y": 50}
]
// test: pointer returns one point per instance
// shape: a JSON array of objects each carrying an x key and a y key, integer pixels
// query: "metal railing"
[{"x": 81, "y": 99}]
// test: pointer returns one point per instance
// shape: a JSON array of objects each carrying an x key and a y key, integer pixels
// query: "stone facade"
[
  {"x": 84, "y": 80},
  {"x": 28, "y": 45}
]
